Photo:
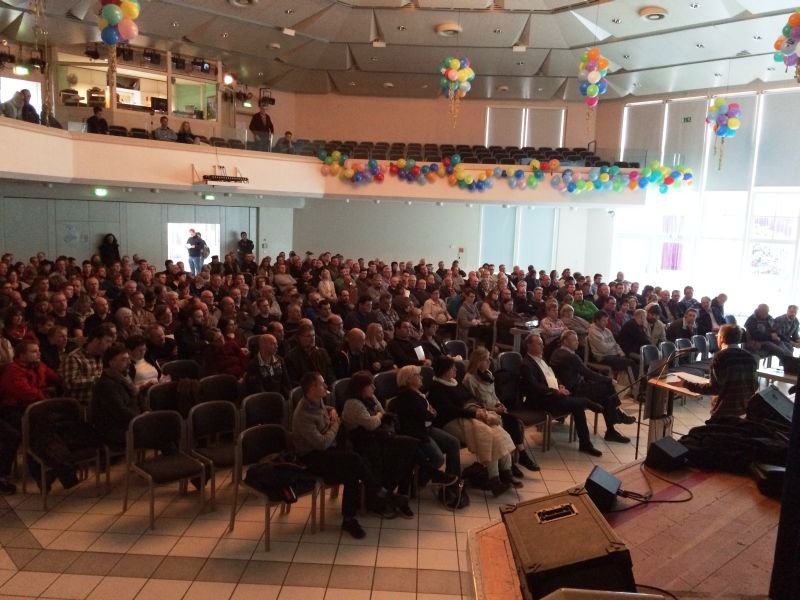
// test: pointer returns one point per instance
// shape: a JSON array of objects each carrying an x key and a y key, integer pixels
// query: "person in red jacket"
[{"x": 24, "y": 381}]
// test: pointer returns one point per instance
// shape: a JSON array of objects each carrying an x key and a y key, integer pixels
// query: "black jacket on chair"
[
  {"x": 412, "y": 413},
  {"x": 572, "y": 372}
]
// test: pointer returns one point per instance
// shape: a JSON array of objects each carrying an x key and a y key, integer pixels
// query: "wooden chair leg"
[
  {"x": 267, "y": 517},
  {"x": 127, "y": 486},
  {"x": 233, "y": 506},
  {"x": 152, "y": 505},
  {"x": 314, "y": 510}
]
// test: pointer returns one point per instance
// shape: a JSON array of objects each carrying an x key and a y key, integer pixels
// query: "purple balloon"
[
  {"x": 795, "y": 33},
  {"x": 791, "y": 60}
]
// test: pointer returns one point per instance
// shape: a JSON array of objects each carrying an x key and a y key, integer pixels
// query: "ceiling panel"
[
  {"x": 359, "y": 83},
  {"x": 340, "y": 23},
  {"x": 478, "y": 27},
  {"x": 319, "y": 55},
  {"x": 276, "y": 13},
  {"x": 526, "y": 88},
  {"x": 304, "y": 82}
]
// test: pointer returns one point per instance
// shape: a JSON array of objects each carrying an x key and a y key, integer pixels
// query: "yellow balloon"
[
  {"x": 102, "y": 23},
  {"x": 590, "y": 185},
  {"x": 734, "y": 123},
  {"x": 468, "y": 179},
  {"x": 335, "y": 169},
  {"x": 130, "y": 9},
  {"x": 462, "y": 75},
  {"x": 481, "y": 176},
  {"x": 535, "y": 164},
  {"x": 455, "y": 64},
  {"x": 401, "y": 163},
  {"x": 603, "y": 177}
]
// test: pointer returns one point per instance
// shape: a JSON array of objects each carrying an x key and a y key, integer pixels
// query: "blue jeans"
[
  {"x": 444, "y": 444},
  {"x": 195, "y": 264}
]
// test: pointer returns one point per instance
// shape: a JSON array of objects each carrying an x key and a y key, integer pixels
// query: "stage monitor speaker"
[
  {"x": 562, "y": 541},
  {"x": 770, "y": 405},
  {"x": 666, "y": 455},
  {"x": 603, "y": 488}
]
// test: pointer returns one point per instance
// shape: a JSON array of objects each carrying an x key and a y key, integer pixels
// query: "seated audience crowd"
[{"x": 100, "y": 331}]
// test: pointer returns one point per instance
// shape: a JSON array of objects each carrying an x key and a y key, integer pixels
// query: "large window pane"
[
  {"x": 778, "y": 161},
  {"x": 544, "y": 127},
  {"x": 685, "y": 132},
  {"x": 536, "y": 237},
  {"x": 724, "y": 214},
  {"x": 504, "y": 126},
  {"x": 497, "y": 237},
  {"x": 775, "y": 216},
  {"x": 729, "y": 162},
  {"x": 642, "y": 128},
  {"x": 194, "y": 99}
]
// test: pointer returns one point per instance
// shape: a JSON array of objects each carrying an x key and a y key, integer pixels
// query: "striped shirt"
[
  {"x": 79, "y": 371},
  {"x": 732, "y": 381}
]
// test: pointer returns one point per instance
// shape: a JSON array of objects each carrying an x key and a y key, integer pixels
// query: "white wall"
[
  {"x": 583, "y": 240},
  {"x": 391, "y": 230},
  {"x": 76, "y": 227}
]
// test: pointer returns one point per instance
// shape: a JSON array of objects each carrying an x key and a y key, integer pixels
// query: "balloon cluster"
[
  {"x": 600, "y": 179},
  {"x": 725, "y": 118},
  {"x": 117, "y": 20},
  {"x": 591, "y": 76},
  {"x": 604, "y": 179},
  {"x": 787, "y": 46},
  {"x": 341, "y": 165},
  {"x": 456, "y": 77}
]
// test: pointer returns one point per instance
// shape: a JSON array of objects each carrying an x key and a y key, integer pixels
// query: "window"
[
  {"x": 10, "y": 85},
  {"x": 642, "y": 125},
  {"x": 544, "y": 127},
  {"x": 504, "y": 126},
  {"x": 685, "y": 133},
  {"x": 724, "y": 214},
  {"x": 194, "y": 99},
  {"x": 778, "y": 161},
  {"x": 775, "y": 216}
]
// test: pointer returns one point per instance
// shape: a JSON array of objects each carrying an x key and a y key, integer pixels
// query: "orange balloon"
[
  {"x": 593, "y": 53},
  {"x": 489, "y": 172},
  {"x": 554, "y": 164},
  {"x": 779, "y": 43},
  {"x": 794, "y": 19},
  {"x": 602, "y": 63},
  {"x": 452, "y": 179}
]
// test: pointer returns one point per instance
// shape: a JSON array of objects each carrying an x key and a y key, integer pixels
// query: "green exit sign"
[{"x": 687, "y": 119}]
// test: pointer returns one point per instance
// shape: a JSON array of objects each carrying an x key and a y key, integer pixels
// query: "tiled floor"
[{"x": 84, "y": 547}]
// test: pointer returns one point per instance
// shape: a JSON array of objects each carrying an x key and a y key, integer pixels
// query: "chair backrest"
[
  {"x": 701, "y": 343},
  {"x": 296, "y": 395},
  {"x": 219, "y": 387},
  {"x": 257, "y": 442},
  {"x": 683, "y": 343},
  {"x": 510, "y": 362},
  {"x": 181, "y": 369},
  {"x": 40, "y": 413},
  {"x": 265, "y": 408},
  {"x": 730, "y": 320},
  {"x": 386, "y": 386},
  {"x": 211, "y": 419},
  {"x": 648, "y": 354},
  {"x": 427, "y": 377},
  {"x": 162, "y": 396},
  {"x": 666, "y": 349},
  {"x": 339, "y": 392},
  {"x": 456, "y": 348},
  {"x": 252, "y": 344},
  {"x": 711, "y": 338},
  {"x": 156, "y": 430}
]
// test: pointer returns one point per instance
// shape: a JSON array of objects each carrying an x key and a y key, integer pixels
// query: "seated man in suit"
[
  {"x": 580, "y": 379},
  {"x": 542, "y": 390}
]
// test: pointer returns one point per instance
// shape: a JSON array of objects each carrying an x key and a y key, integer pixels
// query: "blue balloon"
[
  {"x": 489, "y": 183},
  {"x": 519, "y": 173},
  {"x": 568, "y": 173},
  {"x": 555, "y": 181},
  {"x": 512, "y": 183},
  {"x": 455, "y": 159},
  {"x": 584, "y": 85},
  {"x": 322, "y": 155},
  {"x": 602, "y": 86},
  {"x": 643, "y": 181},
  {"x": 110, "y": 35},
  {"x": 731, "y": 133},
  {"x": 498, "y": 172},
  {"x": 664, "y": 188},
  {"x": 449, "y": 169},
  {"x": 571, "y": 187},
  {"x": 435, "y": 167},
  {"x": 425, "y": 170},
  {"x": 594, "y": 173}
]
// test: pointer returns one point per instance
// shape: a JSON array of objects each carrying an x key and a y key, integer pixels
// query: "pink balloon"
[
  {"x": 128, "y": 29},
  {"x": 452, "y": 74},
  {"x": 325, "y": 169},
  {"x": 592, "y": 101}
]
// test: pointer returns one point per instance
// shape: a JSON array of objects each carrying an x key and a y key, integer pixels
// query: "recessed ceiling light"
[
  {"x": 756, "y": 37},
  {"x": 242, "y": 3},
  {"x": 520, "y": 63},
  {"x": 274, "y": 46},
  {"x": 289, "y": 11},
  {"x": 388, "y": 84},
  {"x": 502, "y": 88},
  {"x": 424, "y": 86},
  {"x": 626, "y": 56},
  {"x": 401, "y": 28},
  {"x": 373, "y": 58},
  {"x": 539, "y": 89},
  {"x": 224, "y": 34},
  {"x": 717, "y": 74},
  {"x": 636, "y": 84},
  {"x": 175, "y": 24},
  {"x": 448, "y": 29},
  {"x": 352, "y": 84},
  {"x": 261, "y": 73},
  {"x": 653, "y": 13},
  {"x": 616, "y": 20},
  {"x": 700, "y": 45},
  {"x": 694, "y": 5},
  {"x": 770, "y": 68},
  {"x": 498, "y": 31}
]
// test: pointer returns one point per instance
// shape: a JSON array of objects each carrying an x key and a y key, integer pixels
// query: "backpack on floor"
[{"x": 453, "y": 496}]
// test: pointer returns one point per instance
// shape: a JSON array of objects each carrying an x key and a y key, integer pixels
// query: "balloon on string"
[
  {"x": 591, "y": 76},
  {"x": 110, "y": 35}
]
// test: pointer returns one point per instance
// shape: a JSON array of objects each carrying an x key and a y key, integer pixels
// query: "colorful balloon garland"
[
  {"x": 456, "y": 82},
  {"x": 725, "y": 119},
  {"x": 591, "y": 76},
  {"x": 787, "y": 46},
  {"x": 117, "y": 21},
  {"x": 518, "y": 177}
]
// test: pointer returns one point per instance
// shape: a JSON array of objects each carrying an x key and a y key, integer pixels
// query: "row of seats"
[{"x": 139, "y": 133}]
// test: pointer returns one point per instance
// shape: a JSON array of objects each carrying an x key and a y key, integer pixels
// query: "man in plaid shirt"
[
  {"x": 732, "y": 376},
  {"x": 82, "y": 367}
]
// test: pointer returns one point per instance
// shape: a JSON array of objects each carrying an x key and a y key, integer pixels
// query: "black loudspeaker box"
[
  {"x": 602, "y": 488},
  {"x": 666, "y": 455},
  {"x": 770, "y": 405},
  {"x": 562, "y": 541}
]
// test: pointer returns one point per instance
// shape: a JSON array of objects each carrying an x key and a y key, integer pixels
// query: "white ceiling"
[{"x": 701, "y": 44}]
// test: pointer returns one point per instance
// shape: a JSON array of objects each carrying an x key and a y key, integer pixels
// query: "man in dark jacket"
[
  {"x": 114, "y": 398},
  {"x": 267, "y": 371},
  {"x": 633, "y": 335},
  {"x": 542, "y": 390},
  {"x": 351, "y": 357},
  {"x": 582, "y": 381},
  {"x": 761, "y": 335},
  {"x": 244, "y": 247},
  {"x": 191, "y": 337},
  {"x": 403, "y": 348},
  {"x": 307, "y": 358}
]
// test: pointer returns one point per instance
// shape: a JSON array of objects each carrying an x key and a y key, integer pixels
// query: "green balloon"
[
  {"x": 787, "y": 30},
  {"x": 592, "y": 90},
  {"x": 112, "y": 13}
]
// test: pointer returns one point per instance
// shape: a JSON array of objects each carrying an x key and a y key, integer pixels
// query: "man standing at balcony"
[
  {"x": 261, "y": 127},
  {"x": 96, "y": 123}
]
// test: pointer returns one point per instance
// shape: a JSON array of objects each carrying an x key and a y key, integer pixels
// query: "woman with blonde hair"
[
  {"x": 479, "y": 382},
  {"x": 376, "y": 353},
  {"x": 326, "y": 287}
]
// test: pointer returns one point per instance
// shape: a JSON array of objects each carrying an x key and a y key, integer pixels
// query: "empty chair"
[
  {"x": 362, "y": 154},
  {"x": 296, "y": 395},
  {"x": 236, "y": 144},
  {"x": 162, "y": 431},
  {"x": 58, "y": 420},
  {"x": 415, "y": 155},
  {"x": 712, "y": 346},
  {"x": 117, "y": 130},
  {"x": 216, "y": 140},
  {"x": 163, "y": 396},
  {"x": 213, "y": 427},
  {"x": 508, "y": 161},
  {"x": 266, "y": 408},
  {"x": 648, "y": 354},
  {"x": 386, "y": 386},
  {"x": 701, "y": 343},
  {"x": 138, "y": 132},
  {"x": 219, "y": 387},
  {"x": 253, "y": 445},
  {"x": 181, "y": 369},
  {"x": 667, "y": 349}
]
